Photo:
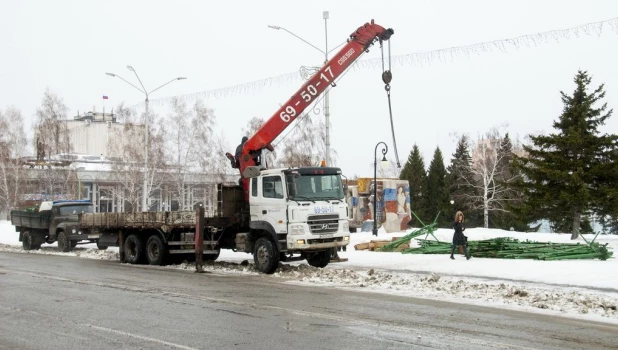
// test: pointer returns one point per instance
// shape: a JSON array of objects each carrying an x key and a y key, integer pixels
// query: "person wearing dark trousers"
[{"x": 458, "y": 237}]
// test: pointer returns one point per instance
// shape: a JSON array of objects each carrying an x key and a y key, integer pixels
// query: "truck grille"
[{"x": 321, "y": 224}]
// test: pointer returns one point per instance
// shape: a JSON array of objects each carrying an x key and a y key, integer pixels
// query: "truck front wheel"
[
  {"x": 319, "y": 259},
  {"x": 63, "y": 242},
  {"x": 265, "y": 256}
]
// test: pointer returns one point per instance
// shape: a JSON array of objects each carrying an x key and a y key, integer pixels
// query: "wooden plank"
[{"x": 361, "y": 246}]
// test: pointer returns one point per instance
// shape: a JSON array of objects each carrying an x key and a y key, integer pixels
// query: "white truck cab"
[{"x": 304, "y": 208}]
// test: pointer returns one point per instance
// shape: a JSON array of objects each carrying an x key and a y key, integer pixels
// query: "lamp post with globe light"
[{"x": 384, "y": 164}]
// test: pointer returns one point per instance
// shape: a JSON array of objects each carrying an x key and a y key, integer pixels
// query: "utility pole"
[
  {"x": 145, "y": 191},
  {"x": 326, "y": 97},
  {"x": 325, "y": 16}
]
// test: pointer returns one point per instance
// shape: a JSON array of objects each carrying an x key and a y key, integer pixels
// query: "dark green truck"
[{"x": 54, "y": 221}]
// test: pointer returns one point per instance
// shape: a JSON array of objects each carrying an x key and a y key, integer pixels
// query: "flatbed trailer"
[{"x": 157, "y": 238}]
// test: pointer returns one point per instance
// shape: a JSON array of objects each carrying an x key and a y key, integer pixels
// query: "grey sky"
[{"x": 67, "y": 46}]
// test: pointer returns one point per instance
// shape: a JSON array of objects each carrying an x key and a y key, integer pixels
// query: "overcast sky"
[{"x": 67, "y": 46}]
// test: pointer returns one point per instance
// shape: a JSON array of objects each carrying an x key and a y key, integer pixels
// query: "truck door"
[{"x": 269, "y": 205}]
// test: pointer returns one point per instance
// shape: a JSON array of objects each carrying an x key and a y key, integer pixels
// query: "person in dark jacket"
[
  {"x": 239, "y": 151},
  {"x": 458, "y": 237}
]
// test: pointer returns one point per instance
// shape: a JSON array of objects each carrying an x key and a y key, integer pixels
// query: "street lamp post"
[
  {"x": 325, "y": 16},
  {"x": 383, "y": 164},
  {"x": 146, "y": 128}
]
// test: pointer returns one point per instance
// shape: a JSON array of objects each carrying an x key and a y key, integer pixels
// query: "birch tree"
[
  {"x": 51, "y": 127},
  {"x": 489, "y": 180},
  {"x": 128, "y": 147},
  {"x": 12, "y": 147},
  {"x": 190, "y": 146}
]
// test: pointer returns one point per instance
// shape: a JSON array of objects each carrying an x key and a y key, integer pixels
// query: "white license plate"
[
  {"x": 326, "y": 236},
  {"x": 93, "y": 236},
  {"x": 323, "y": 209}
]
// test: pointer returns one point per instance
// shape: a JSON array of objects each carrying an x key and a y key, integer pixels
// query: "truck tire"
[
  {"x": 63, "y": 242},
  {"x": 319, "y": 259},
  {"x": 265, "y": 256},
  {"x": 101, "y": 247},
  {"x": 27, "y": 241},
  {"x": 134, "y": 250},
  {"x": 156, "y": 251}
]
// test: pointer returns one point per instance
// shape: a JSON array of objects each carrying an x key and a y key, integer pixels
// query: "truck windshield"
[
  {"x": 75, "y": 209},
  {"x": 315, "y": 187}
]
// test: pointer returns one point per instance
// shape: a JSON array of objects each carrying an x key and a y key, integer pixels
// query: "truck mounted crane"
[{"x": 357, "y": 44}]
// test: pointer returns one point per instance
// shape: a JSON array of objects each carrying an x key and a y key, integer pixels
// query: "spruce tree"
[
  {"x": 570, "y": 174},
  {"x": 438, "y": 191},
  {"x": 414, "y": 172},
  {"x": 460, "y": 179}
]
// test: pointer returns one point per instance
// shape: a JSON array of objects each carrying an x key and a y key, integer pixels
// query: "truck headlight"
[
  {"x": 297, "y": 229},
  {"x": 346, "y": 226},
  {"x": 73, "y": 231}
]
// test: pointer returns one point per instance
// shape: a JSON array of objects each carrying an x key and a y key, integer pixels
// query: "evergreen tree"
[
  {"x": 460, "y": 177},
  {"x": 438, "y": 191},
  {"x": 414, "y": 172},
  {"x": 572, "y": 173}
]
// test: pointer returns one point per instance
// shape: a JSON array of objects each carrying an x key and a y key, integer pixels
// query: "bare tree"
[
  {"x": 390, "y": 171},
  {"x": 189, "y": 148},
  {"x": 488, "y": 179},
  {"x": 127, "y": 150},
  {"x": 304, "y": 144},
  {"x": 51, "y": 127},
  {"x": 58, "y": 182},
  {"x": 12, "y": 147}
]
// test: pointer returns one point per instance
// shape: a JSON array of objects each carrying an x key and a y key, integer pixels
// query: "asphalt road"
[{"x": 56, "y": 302}]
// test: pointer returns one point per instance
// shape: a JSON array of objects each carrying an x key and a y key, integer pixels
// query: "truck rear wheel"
[
  {"x": 63, "y": 242},
  {"x": 155, "y": 250},
  {"x": 265, "y": 256},
  {"x": 27, "y": 241},
  {"x": 133, "y": 250},
  {"x": 319, "y": 259}
]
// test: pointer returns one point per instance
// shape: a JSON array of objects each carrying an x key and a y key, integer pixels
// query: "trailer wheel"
[
  {"x": 63, "y": 242},
  {"x": 265, "y": 255},
  {"x": 101, "y": 247},
  {"x": 26, "y": 241},
  {"x": 133, "y": 250},
  {"x": 155, "y": 250},
  {"x": 319, "y": 259}
]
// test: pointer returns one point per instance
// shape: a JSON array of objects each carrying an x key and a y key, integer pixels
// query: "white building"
[{"x": 91, "y": 132}]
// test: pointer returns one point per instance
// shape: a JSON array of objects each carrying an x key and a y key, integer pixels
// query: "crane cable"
[{"x": 387, "y": 77}]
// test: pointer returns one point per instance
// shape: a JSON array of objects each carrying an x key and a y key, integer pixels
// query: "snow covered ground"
[{"x": 586, "y": 289}]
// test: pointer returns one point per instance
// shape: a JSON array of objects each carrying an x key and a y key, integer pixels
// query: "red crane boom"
[{"x": 358, "y": 42}]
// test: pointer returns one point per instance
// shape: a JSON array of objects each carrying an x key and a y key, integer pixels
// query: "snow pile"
[
  {"x": 80, "y": 252},
  {"x": 571, "y": 301},
  {"x": 243, "y": 268}
]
